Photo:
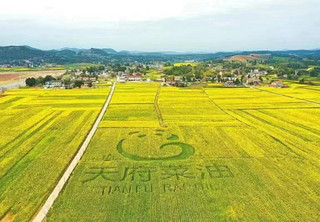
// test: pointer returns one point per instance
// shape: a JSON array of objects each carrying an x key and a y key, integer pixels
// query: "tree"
[
  {"x": 242, "y": 77},
  {"x": 219, "y": 78},
  {"x": 31, "y": 82},
  {"x": 67, "y": 82},
  {"x": 188, "y": 77},
  {"x": 78, "y": 83},
  {"x": 237, "y": 82},
  {"x": 48, "y": 78},
  {"x": 315, "y": 72},
  {"x": 40, "y": 80},
  {"x": 260, "y": 78}
]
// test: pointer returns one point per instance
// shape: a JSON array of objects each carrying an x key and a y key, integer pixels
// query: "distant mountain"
[
  {"x": 15, "y": 54},
  {"x": 19, "y": 52},
  {"x": 29, "y": 47},
  {"x": 110, "y": 51},
  {"x": 93, "y": 52},
  {"x": 65, "y": 52},
  {"x": 77, "y": 50},
  {"x": 72, "y": 49}
]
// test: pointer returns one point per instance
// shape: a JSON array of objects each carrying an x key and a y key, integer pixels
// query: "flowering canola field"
[
  {"x": 41, "y": 130},
  {"x": 211, "y": 154}
]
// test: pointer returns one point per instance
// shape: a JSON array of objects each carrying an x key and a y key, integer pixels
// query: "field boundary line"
[
  {"x": 292, "y": 97},
  {"x": 40, "y": 216},
  {"x": 224, "y": 111},
  {"x": 156, "y": 105}
]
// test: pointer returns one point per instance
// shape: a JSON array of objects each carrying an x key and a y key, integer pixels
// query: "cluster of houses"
[
  {"x": 253, "y": 78},
  {"x": 87, "y": 81},
  {"x": 135, "y": 77},
  {"x": 54, "y": 84},
  {"x": 61, "y": 84},
  {"x": 125, "y": 77}
]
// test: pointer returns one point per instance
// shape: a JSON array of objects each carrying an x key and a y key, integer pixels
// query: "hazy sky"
[{"x": 162, "y": 25}]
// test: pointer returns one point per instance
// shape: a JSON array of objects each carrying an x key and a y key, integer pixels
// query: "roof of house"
[{"x": 135, "y": 76}]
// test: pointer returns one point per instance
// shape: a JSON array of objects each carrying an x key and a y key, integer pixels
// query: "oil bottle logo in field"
[{"x": 153, "y": 146}]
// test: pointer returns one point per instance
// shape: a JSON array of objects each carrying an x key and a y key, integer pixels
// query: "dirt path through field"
[
  {"x": 156, "y": 105},
  {"x": 63, "y": 180}
]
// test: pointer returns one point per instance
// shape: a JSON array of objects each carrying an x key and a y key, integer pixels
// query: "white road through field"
[{"x": 55, "y": 193}]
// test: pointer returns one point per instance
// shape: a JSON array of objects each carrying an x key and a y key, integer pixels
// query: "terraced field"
[
  {"x": 41, "y": 130},
  {"x": 212, "y": 154}
]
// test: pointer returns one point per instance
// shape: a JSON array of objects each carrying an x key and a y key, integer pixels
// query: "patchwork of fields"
[
  {"x": 212, "y": 154},
  {"x": 41, "y": 130}
]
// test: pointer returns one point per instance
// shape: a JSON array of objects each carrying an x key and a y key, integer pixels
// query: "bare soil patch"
[
  {"x": 6, "y": 77},
  {"x": 13, "y": 77}
]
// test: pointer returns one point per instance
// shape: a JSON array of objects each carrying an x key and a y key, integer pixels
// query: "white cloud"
[
  {"x": 208, "y": 25},
  {"x": 70, "y": 11},
  {"x": 119, "y": 10}
]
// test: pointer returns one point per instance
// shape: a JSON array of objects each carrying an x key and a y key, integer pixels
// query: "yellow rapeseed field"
[
  {"x": 211, "y": 154},
  {"x": 41, "y": 130}
]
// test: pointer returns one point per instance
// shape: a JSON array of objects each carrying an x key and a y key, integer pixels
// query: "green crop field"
[
  {"x": 41, "y": 130},
  {"x": 183, "y": 154}
]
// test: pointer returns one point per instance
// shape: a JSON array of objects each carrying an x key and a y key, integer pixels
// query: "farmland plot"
[
  {"x": 41, "y": 130},
  {"x": 133, "y": 106},
  {"x": 198, "y": 155}
]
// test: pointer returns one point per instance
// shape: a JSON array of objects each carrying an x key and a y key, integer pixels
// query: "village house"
[
  {"x": 170, "y": 83},
  {"x": 253, "y": 81},
  {"x": 229, "y": 84},
  {"x": 85, "y": 78},
  {"x": 209, "y": 78},
  {"x": 122, "y": 74},
  {"x": 87, "y": 84},
  {"x": 257, "y": 73},
  {"x": 159, "y": 80},
  {"x": 135, "y": 78},
  {"x": 229, "y": 78},
  {"x": 55, "y": 84},
  {"x": 156, "y": 65},
  {"x": 122, "y": 79},
  {"x": 277, "y": 84}
]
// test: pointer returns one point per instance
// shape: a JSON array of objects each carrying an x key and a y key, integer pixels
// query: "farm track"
[
  {"x": 40, "y": 216},
  {"x": 156, "y": 105}
]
